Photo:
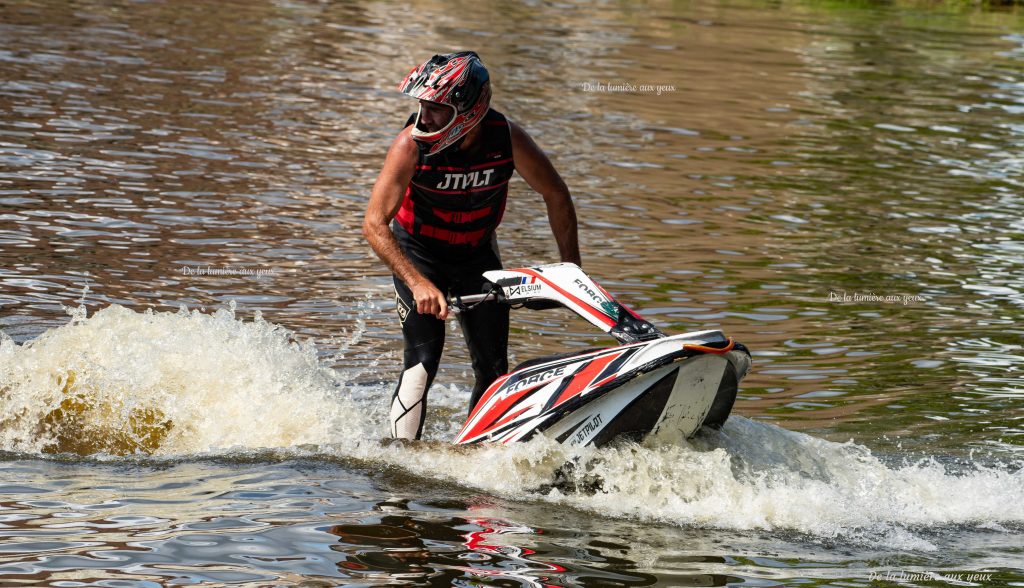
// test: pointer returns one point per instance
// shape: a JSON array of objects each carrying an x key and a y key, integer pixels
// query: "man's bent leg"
[{"x": 424, "y": 342}]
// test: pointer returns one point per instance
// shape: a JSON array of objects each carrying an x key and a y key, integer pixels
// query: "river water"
[{"x": 199, "y": 347}]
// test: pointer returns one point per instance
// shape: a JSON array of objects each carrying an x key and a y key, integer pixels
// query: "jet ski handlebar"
[{"x": 459, "y": 304}]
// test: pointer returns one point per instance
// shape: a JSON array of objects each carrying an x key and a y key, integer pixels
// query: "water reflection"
[
  {"x": 444, "y": 551},
  {"x": 299, "y": 522}
]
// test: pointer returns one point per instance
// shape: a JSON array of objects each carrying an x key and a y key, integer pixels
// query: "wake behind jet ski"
[{"x": 651, "y": 386}]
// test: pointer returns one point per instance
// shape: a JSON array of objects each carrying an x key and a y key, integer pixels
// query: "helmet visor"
[{"x": 433, "y": 118}]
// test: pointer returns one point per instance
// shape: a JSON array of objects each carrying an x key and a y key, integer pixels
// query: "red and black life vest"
[{"x": 457, "y": 199}]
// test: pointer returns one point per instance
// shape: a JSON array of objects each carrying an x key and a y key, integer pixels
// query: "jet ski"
[{"x": 651, "y": 387}]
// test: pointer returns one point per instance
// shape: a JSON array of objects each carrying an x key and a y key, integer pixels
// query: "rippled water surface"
[{"x": 838, "y": 185}]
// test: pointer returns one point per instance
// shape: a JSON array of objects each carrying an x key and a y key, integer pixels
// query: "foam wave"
[
  {"x": 751, "y": 476},
  {"x": 164, "y": 383},
  {"x": 757, "y": 476},
  {"x": 188, "y": 384}
]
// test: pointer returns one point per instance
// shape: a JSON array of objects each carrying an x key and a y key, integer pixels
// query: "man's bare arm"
[
  {"x": 535, "y": 167},
  {"x": 385, "y": 200}
]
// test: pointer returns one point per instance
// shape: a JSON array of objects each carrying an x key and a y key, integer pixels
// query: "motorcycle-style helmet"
[{"x": 458, "y": 81}]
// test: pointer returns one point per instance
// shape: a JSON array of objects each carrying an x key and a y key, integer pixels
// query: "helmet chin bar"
[{"x": 431, "y": 137}]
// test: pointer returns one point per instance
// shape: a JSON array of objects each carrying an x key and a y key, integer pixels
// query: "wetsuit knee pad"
[{"x": 409, "y": 402}]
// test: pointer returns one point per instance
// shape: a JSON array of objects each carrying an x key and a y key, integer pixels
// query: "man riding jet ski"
[{"x": 651, "y": 386}]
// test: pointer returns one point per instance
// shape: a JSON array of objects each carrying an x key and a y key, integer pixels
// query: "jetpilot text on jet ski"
[
  {"x": 469, "y": 180},
  {"x": 587, "y": 430}
]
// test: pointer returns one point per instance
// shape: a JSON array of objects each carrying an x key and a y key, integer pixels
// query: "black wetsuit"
[{"x": 446, "y": 227}]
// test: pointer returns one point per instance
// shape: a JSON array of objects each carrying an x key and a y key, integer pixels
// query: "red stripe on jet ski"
[
  {"x": 600, "y": 316},
  {"x": 491, "y": 390},
  {"x": 613, "y": 367},
  {"x": 581, "y": 380},
  {"x": 512, "y": 417},
  {"x": 498, "y": 410}
]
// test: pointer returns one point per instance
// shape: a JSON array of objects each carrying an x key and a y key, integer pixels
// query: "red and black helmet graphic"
[{"x": 458, "y": 81}]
